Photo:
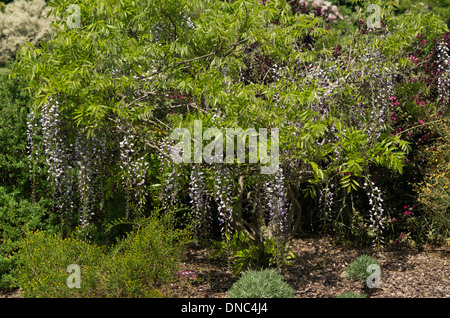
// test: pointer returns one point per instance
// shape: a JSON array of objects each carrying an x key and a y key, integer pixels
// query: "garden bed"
[
  {"x": 320, "y": 272},
  {"x": 406, "y": 273}
]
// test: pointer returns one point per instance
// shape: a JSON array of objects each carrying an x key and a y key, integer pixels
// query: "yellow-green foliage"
[
  {"x": 434, "y": 191},
  {"x": 136, "y": 267},
  {"x": 43, "y": 265},
  {"x": 146, "y": 258}
]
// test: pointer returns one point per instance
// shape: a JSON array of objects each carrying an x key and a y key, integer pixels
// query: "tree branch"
[
  {"x": 148, "y": 142},
  {"x": 174, "y": 64},
  {"x": 292, "y": 192}
]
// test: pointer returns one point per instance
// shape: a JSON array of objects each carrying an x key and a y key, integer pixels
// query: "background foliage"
[{"x": 22, "y": 21}]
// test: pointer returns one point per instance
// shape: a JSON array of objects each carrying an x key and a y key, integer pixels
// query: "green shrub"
[
  {"x": 351, "y": 295},
  {"x": 246, "y": 254},
  {"x": 13, "y": 133},
  {"x": 18, "y": 212},
  {"x": 267, "y": 283},
  {"x": 15, "y": 172},
  {"x": 434, "y": 192},
  {"x": 440, "y": 8},
  {"x": 136, "y": 267},
  {"x": 17, "y": 215},
  {"x": 44, "y": 259},
  {"x": 358, "y": 268},
  {"x": 146, "y": 258}
]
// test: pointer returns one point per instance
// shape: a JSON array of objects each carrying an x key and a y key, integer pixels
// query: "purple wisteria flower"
[
  {"x": 134, "y": 172},
  {"x": 278, "y": 204},
  {"x": 443, "y": 54},
  {"x": 376, "y": 211},
  {"x": 170, "y": 173},
  {"x": 224, "y": 192},
  {"x": 199, "y": 199}
]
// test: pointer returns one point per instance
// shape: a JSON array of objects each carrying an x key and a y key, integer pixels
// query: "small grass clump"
[
  {"x": 357, "y": 270},
  {"x": 351, "y": 294},
  {"x": 266, "y": 283}
]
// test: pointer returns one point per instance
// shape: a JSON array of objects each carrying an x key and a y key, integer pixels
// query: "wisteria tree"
[{"x": 119, "y": 77}]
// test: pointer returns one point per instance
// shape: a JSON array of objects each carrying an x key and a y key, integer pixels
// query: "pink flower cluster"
[
  {"x": 323, "y": 8},
  {"x": 414, "y": 59},
  {"x": 394, "y": 101},
  {"x": 407, "y": 210},
  {"x": 422, "y": 103},
  {"x": 187, "y": 275},
  {"x": 402, "y": 237}
]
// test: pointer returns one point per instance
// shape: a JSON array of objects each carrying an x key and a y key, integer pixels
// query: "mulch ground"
[{"x": 319, "y": 271}]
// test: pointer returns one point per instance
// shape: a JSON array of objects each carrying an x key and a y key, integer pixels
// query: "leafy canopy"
[{"x": 162, "y": 64}]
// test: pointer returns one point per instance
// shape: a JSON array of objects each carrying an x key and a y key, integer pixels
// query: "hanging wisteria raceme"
[
  {"x": 89, "y": 153},
  {"x": 85, "y": 177},
  {"x": 169, "y": 173},
  {"x": 224, "y": 192},
  {"x": 74, "y": 168},
  {"x": 376, "y": 211},
  {"x": 323, "y": 75},
  {"x": 323, "y": 106},
  {"x": 380, "y": 92},
  {"x": 52, "y": 138},
  {"x": 33, "y": 147},
  {"x": 199, "y": 200},
  {"x": 259, "y": 205},
  {"x": 58, "y": 157},
  {"x": 317, "y": 73},
  {"x": 133, "y": 175},
  {"x": 278, "y": 205},
  {"x": 189, "y": 22},
  {"x": 443, "y": 54},
  {"x": 326, "y": 197}
]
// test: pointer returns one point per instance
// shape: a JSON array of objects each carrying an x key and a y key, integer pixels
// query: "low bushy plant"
[
  {"x": 147, "y": 258},
  {"x": 358, "y": 268},
  {"x": 44, "y": 259},
  {"x": 246, "y": 254},
  {"x": 267, "y": 283},
  {"x": 17, "y": 215},
  {"x": 136, "y": 267},
  {"x": 434, "y": 192}
]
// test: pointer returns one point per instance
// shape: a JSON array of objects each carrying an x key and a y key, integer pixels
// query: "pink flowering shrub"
[
  {"x": 318, "y": 7},
  {"x": 417, "y": 103}
]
